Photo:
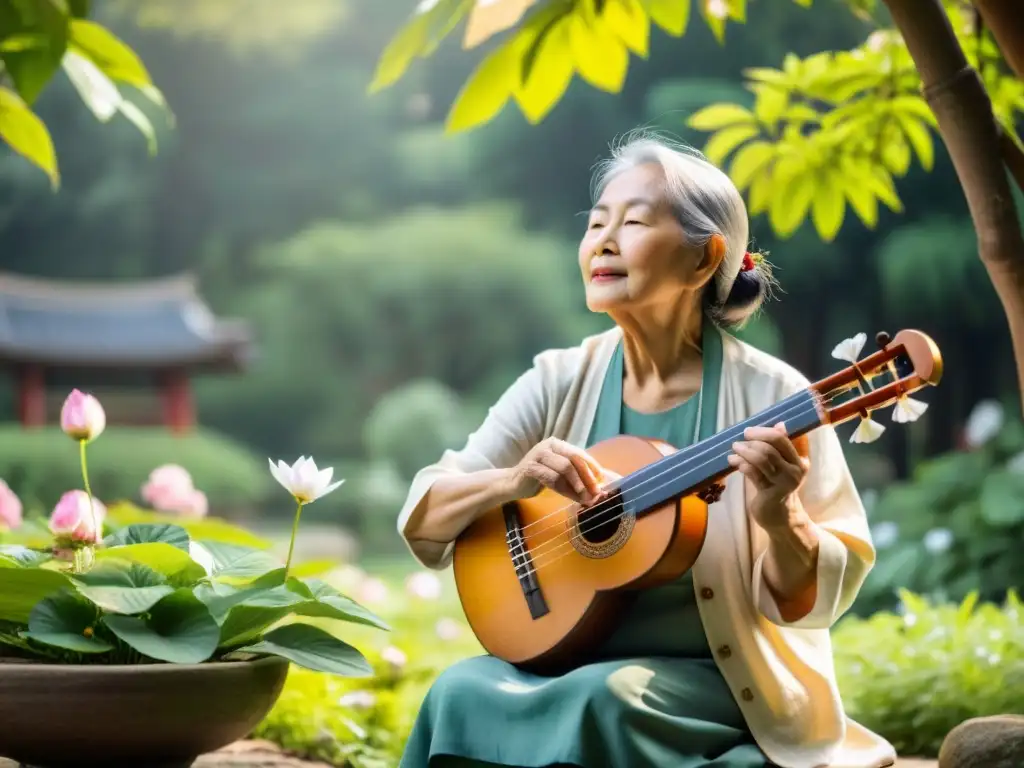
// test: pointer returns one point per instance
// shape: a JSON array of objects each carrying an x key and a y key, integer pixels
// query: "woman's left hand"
[{"x": 770, "y": 460}]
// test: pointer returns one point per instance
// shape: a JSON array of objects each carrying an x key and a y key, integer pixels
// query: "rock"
[
  {"x": 985, "y": 742},
  {"x": 253, "y": 754}
]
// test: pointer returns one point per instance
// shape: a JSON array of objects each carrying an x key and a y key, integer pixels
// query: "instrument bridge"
[{"x": 523, "y": 562}]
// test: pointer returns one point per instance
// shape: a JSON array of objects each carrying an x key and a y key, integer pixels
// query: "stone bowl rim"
[{"x": 158, "y": 667}]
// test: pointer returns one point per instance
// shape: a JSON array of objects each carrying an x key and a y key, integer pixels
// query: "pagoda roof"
[{"x": 157, "y": 323}]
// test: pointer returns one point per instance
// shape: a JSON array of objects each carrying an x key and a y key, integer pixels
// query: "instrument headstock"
[{"x": 910, "y": 361}]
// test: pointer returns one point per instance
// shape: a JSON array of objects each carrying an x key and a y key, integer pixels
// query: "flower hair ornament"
[{"x": 751, "y": 260}]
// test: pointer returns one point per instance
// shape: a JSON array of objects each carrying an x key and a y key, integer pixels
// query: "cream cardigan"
[{"x": 781, "y": 673}]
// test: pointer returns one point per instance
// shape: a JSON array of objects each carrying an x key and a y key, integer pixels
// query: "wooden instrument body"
[{"x": 584, "y": 590}]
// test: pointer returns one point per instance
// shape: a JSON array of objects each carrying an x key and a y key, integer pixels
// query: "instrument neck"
[{"x": 683, "y": 472}]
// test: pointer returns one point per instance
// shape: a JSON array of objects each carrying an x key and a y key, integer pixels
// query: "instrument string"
[
  {"x": 548, "y": 555},
  {"x": 673, "y": 462}
]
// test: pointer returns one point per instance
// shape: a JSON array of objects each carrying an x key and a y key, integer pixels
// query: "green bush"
[
  {"x": 913, "y": 676},
  {"x": 955, "y": 527},
  {"x": 40, "y": 465}
]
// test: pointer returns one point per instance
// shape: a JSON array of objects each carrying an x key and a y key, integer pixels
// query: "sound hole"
[{"x": 601, "y": 523}]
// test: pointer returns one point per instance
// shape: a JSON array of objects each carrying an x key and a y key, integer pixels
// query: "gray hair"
[{"x": 706, "y": 203}]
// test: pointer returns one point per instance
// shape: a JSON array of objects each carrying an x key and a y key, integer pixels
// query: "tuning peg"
[
  {"x": 907, "y": 409},
  {"x": 882, "y": 339}
]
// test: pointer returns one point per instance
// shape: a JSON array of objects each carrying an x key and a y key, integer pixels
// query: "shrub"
[
  {"x": 39, "y": 467},
  {"x": 912, "y": 676},
  {"x": 956, "y": 526}
]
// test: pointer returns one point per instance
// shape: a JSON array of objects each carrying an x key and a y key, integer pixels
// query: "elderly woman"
[{"x": 731, "y": 665}]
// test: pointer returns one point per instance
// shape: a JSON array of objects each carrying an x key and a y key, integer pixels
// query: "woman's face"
[{"x": 634, "y": 251}]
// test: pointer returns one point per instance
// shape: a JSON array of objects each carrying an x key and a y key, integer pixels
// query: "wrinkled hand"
[
  {"x": 562, "y": 467},
  {"x": 770, "y": 460}
]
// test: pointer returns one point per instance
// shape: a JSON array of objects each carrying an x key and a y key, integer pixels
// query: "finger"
[
  {"x": 777, "y": 437},
  {"x": 566, "y": 470},
  {"x": 586, "y": 466},
  {"x": 762, "y": 456},
  {"x": 750, "y": 471}
]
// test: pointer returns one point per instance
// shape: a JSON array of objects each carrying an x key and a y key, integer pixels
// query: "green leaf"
[
  {"x": 149, "y": 533},
  {"x": 626, "y": 18},
  {"x": 550, "y": 75},
  {"x": 726, "y": 140},
  {"x": 880, "y": 182},
  {"x": 231, "y": 561},
  {"x": 66, "y": 621},
  {"x": 600, "y": 58},
  {"x": 32, "y": 69},
  {"x": 122, "y": 587},
  {"x": 485, "y": 92},
  {"x": 330, "y": 603},
  {"x": 789, "y": 207},
  {"x": 1002, "y": 499},
  {"x": 749, "y": 162},
  {"x": 161, "y": 557},
  {"x": 178, "y": 629},
  {"x": 715, "y": 116},
  {"x": 23, "y": 557},
  {"x": 920, "y": 139},
  {"x": 861, "y": 198},
  {"x": 671, "y": 15},
  {"x": 114, "y": 59},
  {"x": 22, "y": 588},
  {"x": 913, "y": 106},
  {"x": 400, "y": 52},
  {"x": 312, "y": 648},
  {"x": 26, "y": 134},
  {"x": 828, "y": 208}
]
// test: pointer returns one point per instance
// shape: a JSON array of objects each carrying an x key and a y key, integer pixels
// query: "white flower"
[
  {"x": 938, "y": 540},
  {"x": 885, "y": 534},
  {"x": 303, "y": 480},
  {"x": 447, "y": 629},
  {"x": 984, "y": 423},
  {"x": 849, "y": 349},
  {"x": 908, "y": 409},
  {"x": 358, "y": 700},
  {"x": 395, "y": 657},
  {"x": 867, "y": 431},
  {"x": 424, "y": 585}
]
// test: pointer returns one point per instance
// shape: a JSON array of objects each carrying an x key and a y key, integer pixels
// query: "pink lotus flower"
[
  {"x": 170, "y": 489},
  {"x": 76, "y": 520},
  {"x": 10, "y": 508},
  {"x": 82, "y": 417}
]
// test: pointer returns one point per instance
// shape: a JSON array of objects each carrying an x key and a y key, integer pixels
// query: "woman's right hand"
[{"x": 562, "y": 467}]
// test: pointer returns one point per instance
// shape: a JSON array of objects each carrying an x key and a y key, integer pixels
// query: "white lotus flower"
[
  {"x": 850, "y": 349},
  {"x": 907, "y": 409},
  {"x": 303, "y": 480},
  {"x": 867, "y": 431}
]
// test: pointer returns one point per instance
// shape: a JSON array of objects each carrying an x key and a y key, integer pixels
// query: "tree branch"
[
  {"x": 1005, "y": 20},
  {"x": 972, "y": 135},
  {"x": 1013, "y": 156}
]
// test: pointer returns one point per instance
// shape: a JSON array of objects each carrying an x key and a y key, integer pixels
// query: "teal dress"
[{"x": 652, "y": 698}]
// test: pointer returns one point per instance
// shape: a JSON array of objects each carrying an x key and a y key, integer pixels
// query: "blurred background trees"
[{"x": 398, "y": 278}]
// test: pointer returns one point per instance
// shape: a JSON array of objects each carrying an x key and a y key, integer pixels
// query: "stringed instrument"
[{"x": 541, "y": 580}]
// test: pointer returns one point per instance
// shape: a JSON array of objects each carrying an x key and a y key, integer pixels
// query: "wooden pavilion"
[{"x": 135, "y": 345}]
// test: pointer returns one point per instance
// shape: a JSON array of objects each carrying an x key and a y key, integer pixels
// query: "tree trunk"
[{"x": 971, "y": 134}]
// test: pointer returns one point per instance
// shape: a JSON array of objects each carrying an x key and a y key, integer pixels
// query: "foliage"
[
  {"x": 37, "y": 464},
  {"x": 823, "y": 132},
  {"x": 909, "y": 675},
  {"x": 38, "y": 37},
  {"x": 429, "y": 294},
  {"x": 914, "y": 675},
  {"x": 955, "y": 527}
]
